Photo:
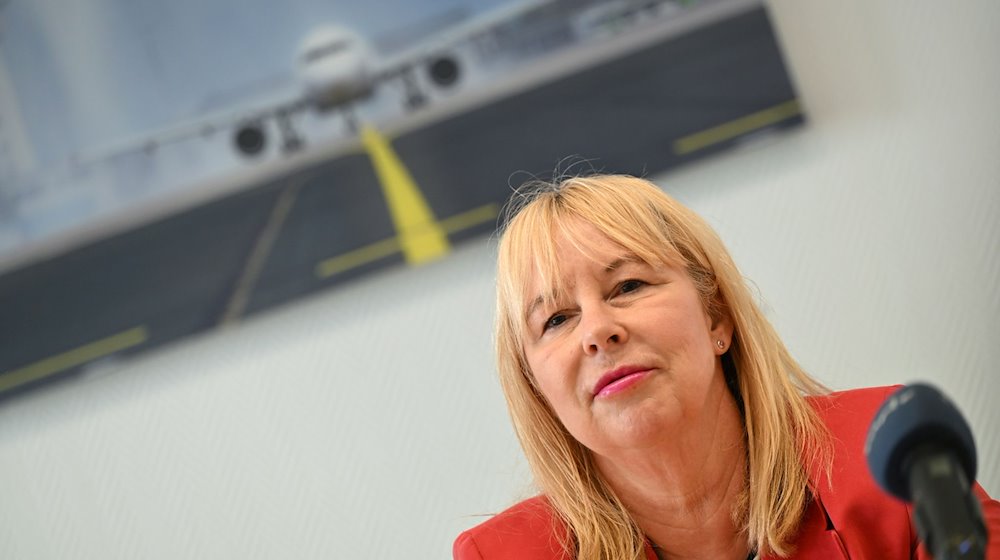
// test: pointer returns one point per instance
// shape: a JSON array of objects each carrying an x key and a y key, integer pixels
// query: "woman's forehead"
[{"x": 570, "y": 243}]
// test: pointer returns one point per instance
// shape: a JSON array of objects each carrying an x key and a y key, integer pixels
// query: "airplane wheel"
[{"x": 250, "y": 139}]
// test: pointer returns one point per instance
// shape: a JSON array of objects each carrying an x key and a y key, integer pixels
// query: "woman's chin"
[{"x": 642, "y": 424}]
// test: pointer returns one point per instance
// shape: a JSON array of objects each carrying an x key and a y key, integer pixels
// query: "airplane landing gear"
[
  {"x": 351, "y": 120},
  {"x": 413, "y": 98},
  {"x": 291, "y": 140}
]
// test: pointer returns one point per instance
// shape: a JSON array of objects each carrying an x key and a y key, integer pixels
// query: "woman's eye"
[
  {"x": 630, "y": 286},
  {"x": 554, "y": 321}
]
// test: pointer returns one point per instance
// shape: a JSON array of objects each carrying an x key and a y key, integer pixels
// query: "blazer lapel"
[{"x": 818, "y": 538}]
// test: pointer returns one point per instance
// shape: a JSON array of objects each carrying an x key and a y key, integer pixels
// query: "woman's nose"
[{"x": 601, "y": 331}]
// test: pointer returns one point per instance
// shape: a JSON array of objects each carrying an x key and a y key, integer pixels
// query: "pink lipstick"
[{"x": 618, "y": 380}]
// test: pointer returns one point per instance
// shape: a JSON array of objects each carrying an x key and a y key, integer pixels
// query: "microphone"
[{"x": 920, "y": 449}]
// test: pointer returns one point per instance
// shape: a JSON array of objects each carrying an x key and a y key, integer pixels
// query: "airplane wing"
[
  {"x": 247, "y": 120},
  {"x": 435, "y": 54}
]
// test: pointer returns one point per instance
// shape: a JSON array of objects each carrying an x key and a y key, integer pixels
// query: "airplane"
[{"x": 335, "y": 67}]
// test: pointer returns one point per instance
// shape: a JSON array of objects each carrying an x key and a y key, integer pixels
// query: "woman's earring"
[{"x": 720, "y": 344}]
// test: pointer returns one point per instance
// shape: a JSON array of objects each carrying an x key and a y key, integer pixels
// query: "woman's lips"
[{"x": 619, "y": 380}]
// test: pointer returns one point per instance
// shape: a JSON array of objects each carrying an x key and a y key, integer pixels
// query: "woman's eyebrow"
[
  {"x": 536, "y": 303},
  {"x": 530, "y": 310},
  {"x": 627, "y": 258}
]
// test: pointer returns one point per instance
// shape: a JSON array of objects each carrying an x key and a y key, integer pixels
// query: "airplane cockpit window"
[{"x": 325, "y": 51}]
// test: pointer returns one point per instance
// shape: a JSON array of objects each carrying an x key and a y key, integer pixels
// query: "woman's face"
[{"x": 627, "y": 355}]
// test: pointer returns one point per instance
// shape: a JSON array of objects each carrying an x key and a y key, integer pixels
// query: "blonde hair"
[{"x": 781, "y": 428}]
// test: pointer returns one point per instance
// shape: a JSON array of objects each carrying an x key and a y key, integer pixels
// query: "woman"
[{"x": 659, "y": 411}]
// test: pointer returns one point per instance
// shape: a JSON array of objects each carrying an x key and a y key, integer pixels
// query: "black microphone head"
[{"x": 916, "y": 416}]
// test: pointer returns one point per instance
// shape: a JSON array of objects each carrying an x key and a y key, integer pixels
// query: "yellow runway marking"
[
  {"x": 358, "y": 257},
  {"x": 736, "y": 127},
  {"x": 74, "y": 357},
  {"x": 391, "y": 246},
  {"x": 473, "y": 217},
  {"x": 422, "y": 239}
]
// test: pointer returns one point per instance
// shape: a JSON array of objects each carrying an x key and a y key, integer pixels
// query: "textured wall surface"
[{"x": 366, "y": 422}]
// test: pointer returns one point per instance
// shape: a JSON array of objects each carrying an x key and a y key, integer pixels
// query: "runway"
[{"x": 673, "y": 102}]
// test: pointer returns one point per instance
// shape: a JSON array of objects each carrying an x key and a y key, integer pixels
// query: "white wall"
[{"x": 366, "y": 422}]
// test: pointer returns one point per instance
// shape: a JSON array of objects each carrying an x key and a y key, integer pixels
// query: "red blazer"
[{"x": 848, "y": 519}]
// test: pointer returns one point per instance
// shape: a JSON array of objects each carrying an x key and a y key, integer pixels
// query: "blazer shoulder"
[
  {"x": 845, "y": 488},
  {"x": 847, "y": 416},
  {"x": 528, "y": 530},
  {"x": 847, "y": 413}
]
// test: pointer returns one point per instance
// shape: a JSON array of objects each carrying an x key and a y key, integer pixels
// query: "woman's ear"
[{"x": 722, "y": 334}]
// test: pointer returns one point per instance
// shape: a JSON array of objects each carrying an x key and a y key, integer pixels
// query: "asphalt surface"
[{"x": 181, "y": 274}]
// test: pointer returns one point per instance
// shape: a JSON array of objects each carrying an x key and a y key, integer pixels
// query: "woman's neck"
[{"x": 684, "y": 492}]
